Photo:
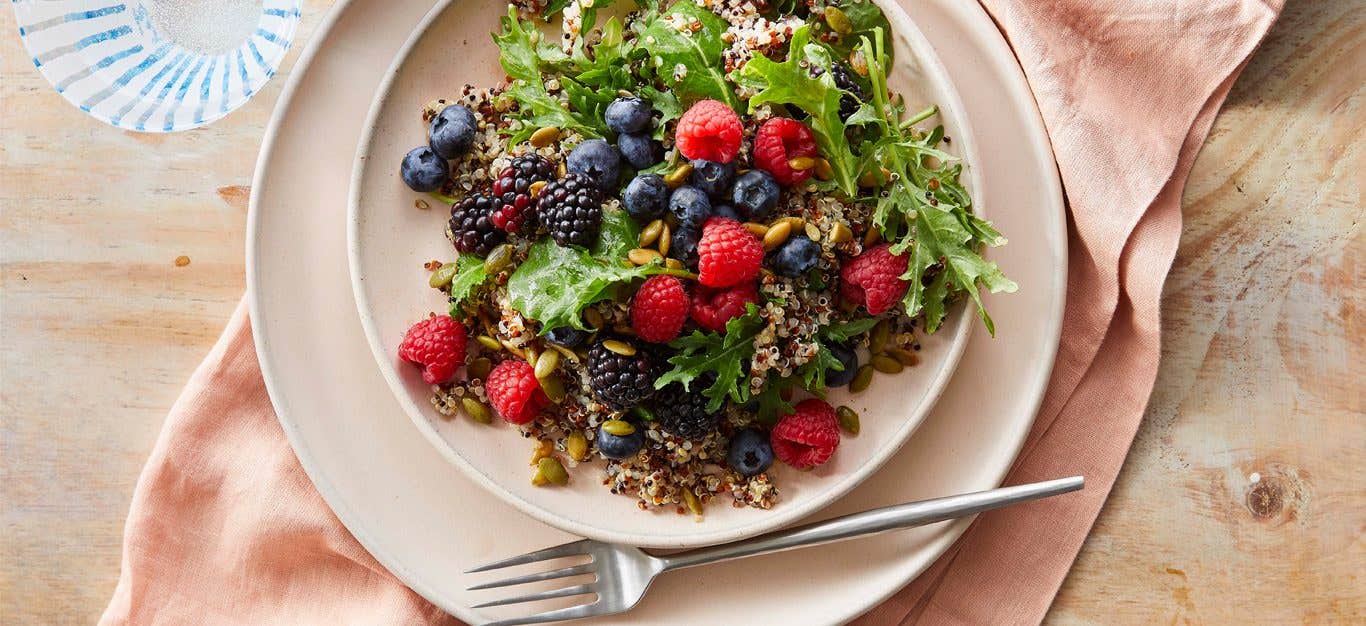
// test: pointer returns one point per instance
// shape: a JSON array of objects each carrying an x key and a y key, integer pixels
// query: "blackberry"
[
  {"x": 844, "y": 79},
  {"x": 513, "y": 190},
  {"x": 621, "y": 381},
  {"x": 571, "y": 209},
  {"x": 684, "y": 413},
  {"x": 472, "y": 230}
]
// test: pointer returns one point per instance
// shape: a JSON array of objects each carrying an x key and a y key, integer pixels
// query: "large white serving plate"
[
  {"x": 390, "y": 241},
  {"x": 427, "y": 522}
]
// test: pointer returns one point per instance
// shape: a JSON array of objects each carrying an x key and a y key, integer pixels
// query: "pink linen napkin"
[{"x": 1128, "y": 90}]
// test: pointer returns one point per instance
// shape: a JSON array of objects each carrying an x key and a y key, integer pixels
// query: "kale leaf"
[
  {"x": 469, "y": 275},
  {"x": 724, "y": 354},
  {"x": 697, "y": 53}
]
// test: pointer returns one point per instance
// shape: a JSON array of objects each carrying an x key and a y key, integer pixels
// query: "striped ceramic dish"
[{"x": 157, "y": 65}]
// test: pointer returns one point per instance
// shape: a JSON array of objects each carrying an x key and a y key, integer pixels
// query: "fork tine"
[
  {"x": 531, "y": 578},
  {"x": 583, "y": 610},
  {"x": 576, "y": 590},
  {"x": 567, "y": 549}
]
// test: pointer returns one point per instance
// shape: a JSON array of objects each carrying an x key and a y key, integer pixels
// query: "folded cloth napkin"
[{"x": 226, "y": 527}]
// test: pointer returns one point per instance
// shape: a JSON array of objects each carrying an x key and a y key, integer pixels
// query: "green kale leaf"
[
  {"x": 469, "y": 275},
  {"x": 522, "y": 55},
  {"x": 840, "y": 332},
  {"x": 791, "y": 82},
  {"x": 865, "y": 17},
  {"x": 723, "y": 354},
  {"x": 696, "y": 53}
]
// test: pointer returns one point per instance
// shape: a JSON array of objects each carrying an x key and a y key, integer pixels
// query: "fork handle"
[{"x": 874, "y": 521}]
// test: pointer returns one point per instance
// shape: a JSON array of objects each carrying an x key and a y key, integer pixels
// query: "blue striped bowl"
[{"x": 128, "y": 65}]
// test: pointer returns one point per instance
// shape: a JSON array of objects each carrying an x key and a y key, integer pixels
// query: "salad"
[{"x": 675, "y": 228}]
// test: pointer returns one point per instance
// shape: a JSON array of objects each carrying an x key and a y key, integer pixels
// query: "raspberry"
[
  {"x": 779, "y": 140},
  {"x": 514, "y": 391},
  {"x": 728, "y": 254},
  {"x": 659, "y": 309},
  {"x": 712, "y": 308},
  {"x": 513, "y": 190},
  {"x": 807, "y": 437},
  {"x": 709, "y": 130},
  {"x": 438, "y": 345},
  {"x": 873, "y": 279}
]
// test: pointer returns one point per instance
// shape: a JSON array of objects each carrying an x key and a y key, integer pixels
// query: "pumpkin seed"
[
  {"x": 424, "y": 205},
  {"x": 906, "y": 357},
  {"x": 877, "y": 339},
  {"x": 693, "y": 503},
  {"x": 553, "y": 388},
  {"x": 535, "y": 188},
  {"x": 498, "y": 259},
  {"x": 619, "y": 347},
  {"x": 543, "y": 449},
  {"x": 508, "y": 345},
  {"x": 549, "y": 471},
  {"x": 801, "y": 163},
  {"x": 566, "y": 353},
  {"x": 489, "y": 342},
  {"x": 812, "y": 232},
  {"x": 872, "y": 236},
  {"x": 593, "y": 317},
  {"x": 858, "y": 62},
  {"x": 838, "y": 21},
  {"x": 545, "y": 136},
  {"x": 759, "y": 230},
  {"x": 624, "y": 329},
  {"x": 618, "y": 427},
  {"x": 673, "y": 264},
  {"x": 643, "y": 256},
  {"x": 531, "y": 354},
  {"x": 823, "y": 170},
  {"x": 546, "y": 363},
  {"x": 796, "y": 222},
  {"x": 562, "y": 170},
  {"x": 676, "y": 178},
  {"x": 576, "y": 445},
  {"x": 848, "y": 419},
  {"x": 665, "y": 240},
  {"x": 869, "y": 179},
  {"x": 777, "y": 234},
  {"x": 840, "y": 233},
  {"x": 480, "y": 367},
  {"x": 478, "y": 411},
  {"x": 650, "y": 233},
  {"x": 862, "y": 379},
  {"x": 886, "y": 364},
  {"x": 442, "y": 276}
]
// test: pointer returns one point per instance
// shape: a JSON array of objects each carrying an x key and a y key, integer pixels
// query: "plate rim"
[
  {"x": 960, "y": 329},
  {"x": 976, "y": 20}
]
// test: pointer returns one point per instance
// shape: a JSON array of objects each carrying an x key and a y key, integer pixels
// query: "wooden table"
[{"x": 1243, "y": 499}]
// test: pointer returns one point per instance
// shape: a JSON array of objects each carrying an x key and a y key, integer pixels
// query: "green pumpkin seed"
[
  {"x": 594, "y": 318},
  {"x": 576, "y": 445},
  {"x": 489, "y": 342},
  {"x": 676, "y": 178},
  {"x": 546, "y": 363},
  {"x": 877, "y": 339},
  {"x": 645, "y": 415},
  {"x": 906, "y": 357},
  {"x": 823, "y": 170},
  {"x": 508, "y": 345},
  {"x": 838, "y": 21},
  {"x": 478, "y": 411},
  {"x": 840, "y": 233},
  {"x": 498, "y": 259},
  {"x": 530, "y": 354},
  {"x": 694, "y": 504},
  {"x": 886, "y": 364},
  {"x": 442, "y": 276},
  {"x": 643, "y": 256},
  {"x": 777, "y": 235},
  {"x": 568, "y": 354},
  {"x": 801, "y": 164},
  {"x": 650, "y": 233},
  {"x": 543, "y": 449},
  {"x": 862, "y": 379},
  {"x": 535, "y": 188},
  {"x": 871, "y": 237},
  {"x": 546, "y": 136},
  {"x": 619, "y": 347},
  {"x": 549, "y": 471},
  {"x": 619, "y": 428},
  {"x": 759, "y": 230},
  {"x": 553, "y": 388},
  {"x": 665, "y": 240},
  {"x": 673, "y": 264},
  {"x": 812, "y": 232},
  {"x": 479, "y": 368},
  {"x": 848, "y": 419}
]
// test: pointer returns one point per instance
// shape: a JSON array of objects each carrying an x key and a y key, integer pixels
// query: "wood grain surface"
[{"x": 1243, "y": 500}]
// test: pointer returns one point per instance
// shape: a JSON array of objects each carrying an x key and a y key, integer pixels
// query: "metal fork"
[{"x": 624, "y": 573}]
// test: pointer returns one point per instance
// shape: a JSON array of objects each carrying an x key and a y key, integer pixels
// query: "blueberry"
[
  {"x": 424, "y": 170},
  {"x": 754, "y": 194},
  {"x": 628, "y": 115},
  {"x": 452, "y": 131},
  {"x": 690, "y": 205},
  {"x": 750, "y": 452},
  {"x": 646, "y": 197},
  {"x": 683, "y": 245},
  {"x": 797, "y": 255},
  {"x": 566, "y": 336},
  {"x": 598, "y": 161},
  {"x": 849, "y": 359},
  {"x": 620, "y": 447},
  {"x": 712, "y": 177},
  {"x": 640, "y": 150},
  {"x": 726, "y": 211}
]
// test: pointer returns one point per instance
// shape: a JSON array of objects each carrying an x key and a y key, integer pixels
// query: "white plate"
[
  {"x": 389, "y": 242},
  {"x": 426, "y": 522}
]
